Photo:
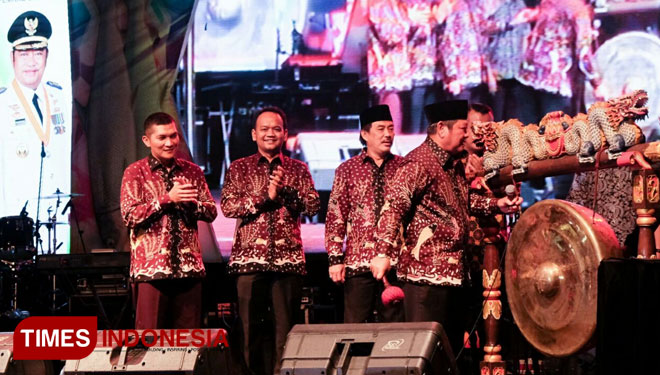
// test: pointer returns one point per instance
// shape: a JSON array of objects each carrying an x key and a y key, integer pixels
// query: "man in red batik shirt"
[
  {"x": 357, "y": 196},
  {"x": 162, "y": 198},
  {"x": 430, "y": 193},
  {"x": 267, "y": 192}
]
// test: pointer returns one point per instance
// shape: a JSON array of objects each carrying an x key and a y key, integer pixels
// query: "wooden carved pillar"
[
  {"x": 492, "y": 280},
  {"x": 646, "y": 199}
]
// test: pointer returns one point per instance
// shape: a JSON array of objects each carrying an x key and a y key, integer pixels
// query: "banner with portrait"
[{"x": 35, "y": 123}]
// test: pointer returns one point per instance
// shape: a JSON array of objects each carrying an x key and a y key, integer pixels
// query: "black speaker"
[
  {"x": 378, "y": 348},
  {"x": 627, "y": 324},
  {"x": 9, "y": 366},
  {"x": 161, "y": 358}
]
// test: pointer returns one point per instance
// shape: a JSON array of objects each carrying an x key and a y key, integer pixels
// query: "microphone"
[
  {"x": 511, "y": 193},
  {"x": 66, "y": 207},
  {"x": 24, "y": 210},
  {"x": 43, "y": 150}
]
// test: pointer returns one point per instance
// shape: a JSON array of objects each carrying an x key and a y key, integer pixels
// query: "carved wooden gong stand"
[{"x": 646, "y": 200}]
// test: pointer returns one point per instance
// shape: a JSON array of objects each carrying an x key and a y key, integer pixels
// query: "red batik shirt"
[
  {"x": 388, "y": 62},
  {"x": 460, "y": 57},
  {"x": 358, "y": 194},
  {"x": 552, "y": 55},
  {"x": 430, "y": 195},
  {"x": 421, "y": 45},
  {"x": 267, "y": 236},
  {"x": 163, "y": 234}
]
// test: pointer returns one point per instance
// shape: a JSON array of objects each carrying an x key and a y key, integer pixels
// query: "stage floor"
[{"x": 312, "y": 234}]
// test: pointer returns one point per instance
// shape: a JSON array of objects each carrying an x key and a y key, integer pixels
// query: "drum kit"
[{"x": 20, "y": 240}]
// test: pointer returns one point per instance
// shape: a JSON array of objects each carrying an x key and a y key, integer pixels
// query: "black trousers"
[
  {"x": 362, "y": 296},
  {"x": 435, "y": 303},
  {"x": 505, "y": 104},
  {"x": 476, "y": 94},
  {"x": 530, "y": 107},
  {"x": 420, "y": 96},
  {"x": 168, "y": 303},
  {"x": 268, "y": 306}
]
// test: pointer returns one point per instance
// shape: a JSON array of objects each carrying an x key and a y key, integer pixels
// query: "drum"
[
  {"x": 551, "y": 274},
  {"x": 16, "y": 238}
]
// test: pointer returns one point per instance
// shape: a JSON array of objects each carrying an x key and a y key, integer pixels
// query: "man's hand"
[
  {"x": 455, "y": 87},
  {"x": 443, "y": 10},
  {"x": 337, "y": 273},
  {"x": 183, "y": 193},
  {"x": 276, "y": 182},
  {"x": 419, "y": 15},
  {"x": 489, "y": 27},
  {"x": 525, "y": 16},
  {"x": 508, "y": 206},
  {"x": 473, "y": 166},
  {"x": 379, "y": 266}
]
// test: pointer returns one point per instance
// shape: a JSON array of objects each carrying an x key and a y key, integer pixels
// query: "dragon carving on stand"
[
  {"x": 548, "y": 139},
  {"x": 608, "y": 125},
  {"x": 584, "y": 139},
  {"x": 503, "y": 145},
  {"x": 616, "y": 120}
]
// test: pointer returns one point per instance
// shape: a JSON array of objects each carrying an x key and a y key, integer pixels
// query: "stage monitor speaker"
[
  {"x": 10, "y": 367},
  {"x": 324, "y": 151},
  {"x": 368, "y": 348},
  {"x": 156, "y": 359}
]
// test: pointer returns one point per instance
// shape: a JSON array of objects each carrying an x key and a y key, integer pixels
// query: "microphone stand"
[
  {"x": 92, "y": 284},
  {"x": 278, "y": 50},
  {"x": 37, "y": 235},
  {"x": 53, "y": 221},
  {"x": 41, "y": 175}
]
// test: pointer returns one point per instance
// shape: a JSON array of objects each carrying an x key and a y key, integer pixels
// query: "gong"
[{"x": 551, "y": 274}]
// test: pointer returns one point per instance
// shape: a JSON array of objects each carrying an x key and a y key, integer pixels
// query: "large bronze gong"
[{"x": 551, "y": 274}]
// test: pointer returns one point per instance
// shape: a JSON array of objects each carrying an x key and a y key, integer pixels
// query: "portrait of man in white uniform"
[{"x": 35, "y": 128}]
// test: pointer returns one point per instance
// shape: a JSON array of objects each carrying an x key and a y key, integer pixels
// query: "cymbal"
[
  {"x": 56, "y": 223},
  {"x": 61, "y": 195}
]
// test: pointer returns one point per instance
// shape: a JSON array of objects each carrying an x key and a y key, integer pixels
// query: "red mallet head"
[{"x": 392, "y": 294}]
